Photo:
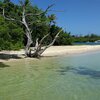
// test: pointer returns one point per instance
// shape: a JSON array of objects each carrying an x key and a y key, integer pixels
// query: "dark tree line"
[{"x": 86, "y": 38}]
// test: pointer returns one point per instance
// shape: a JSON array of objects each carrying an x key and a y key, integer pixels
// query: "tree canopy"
[{"x": 12, "y": 33}]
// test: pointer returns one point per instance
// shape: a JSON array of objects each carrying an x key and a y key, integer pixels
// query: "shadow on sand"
[
  {"x": 4, "y": 56},
  {"x": 81, "y": 71}
]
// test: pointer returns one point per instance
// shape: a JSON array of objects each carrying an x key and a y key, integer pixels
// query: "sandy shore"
[
  {"x": 52, "y": 51},
  {"x": 67, "y": 50}
]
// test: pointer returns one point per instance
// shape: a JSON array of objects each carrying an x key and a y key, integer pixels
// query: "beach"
[
  {"x": 51, "y": 52},
  {"x": 67, "y": 50}
]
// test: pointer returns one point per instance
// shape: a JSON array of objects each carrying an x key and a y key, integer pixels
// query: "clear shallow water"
[{"x": 59, "y": 78}]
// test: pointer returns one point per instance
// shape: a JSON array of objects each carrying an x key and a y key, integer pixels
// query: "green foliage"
[
  {"x": 12, "y": 32},
  {"x": 64, "y": 37},
  {"x": 11, "y": 35},
  {"x": 87, "y": 38},
  {"x": 6, "y": 1}
]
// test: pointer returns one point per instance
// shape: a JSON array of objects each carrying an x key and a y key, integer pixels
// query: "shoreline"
[
  {"x": 70, "y": 50},
  {"x": 53, "y": 51}
]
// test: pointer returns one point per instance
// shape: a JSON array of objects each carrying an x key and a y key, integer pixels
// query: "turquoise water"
[{"x": 74, "y": 77}]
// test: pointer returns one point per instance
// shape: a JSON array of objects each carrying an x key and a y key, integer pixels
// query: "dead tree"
[{"x": 38, "y": 49}]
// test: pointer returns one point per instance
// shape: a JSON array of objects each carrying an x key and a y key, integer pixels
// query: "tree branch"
[
  {"x": 36, "y": 45},
  {"x": 51, "y": 42},
  {"x": 48, "y": 8},
  {"x": 57, "y": 10},
  {"x": 12, "y": 19},
  {"x": 43, "y": 38},
  {"x": 54, "y": 39},
  {"x": 30, "y": 14},
  {"x": 40, "y": 43}
]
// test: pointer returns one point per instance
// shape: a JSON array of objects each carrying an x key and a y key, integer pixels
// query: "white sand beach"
[
  {"x": 57, "y": 51},
  {"x": 67, "y": 50}
]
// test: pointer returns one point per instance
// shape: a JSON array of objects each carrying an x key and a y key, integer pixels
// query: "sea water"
[{"x": 75, "y": 77}]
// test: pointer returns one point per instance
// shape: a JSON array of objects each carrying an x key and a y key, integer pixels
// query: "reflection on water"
[{"x": 80, "y": 70}]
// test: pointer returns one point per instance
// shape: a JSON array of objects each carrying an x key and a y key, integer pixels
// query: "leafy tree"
[
  {"x": 30, "y": 18},
  {"x": 87, "y": 38},
  {"x": 64, "y": 38},
  {"x": 28, "y": 25},
  {"x": 11, "y": 35},
  {"x": 6, "y": 1}
]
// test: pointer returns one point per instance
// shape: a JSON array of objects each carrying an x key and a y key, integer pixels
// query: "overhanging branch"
[
  {"x": 43, "y": 38},
  {"x": 38, "y": 14},
  {"x": 51, "y": 42},
  {"x": 12, "y": 19},
  {"x": 54, "y": 39}
]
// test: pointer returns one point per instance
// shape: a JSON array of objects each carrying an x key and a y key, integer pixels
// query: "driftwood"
[{"x": 38, "y": 49}]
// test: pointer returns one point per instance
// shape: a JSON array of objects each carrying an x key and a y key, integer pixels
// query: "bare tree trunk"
[
  {"x": 27, "y": 48},
  {"x": 55, "y": 38},
  {"x": 28, "y": 35},
  {"x": 28, "y": 31},
  {"x": 39, "y": 49}
]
